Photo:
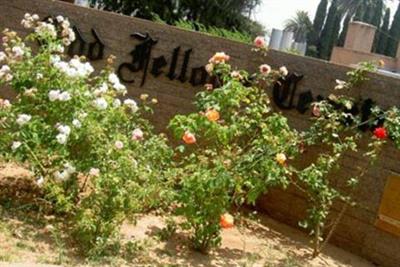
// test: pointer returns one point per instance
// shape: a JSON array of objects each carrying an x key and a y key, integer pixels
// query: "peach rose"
[
  {"x": 189, "y": 138},
  {"x": 219, "y": 58},
  {"x": 212, "y": 115},
  {"x": 226, "y": 221}
]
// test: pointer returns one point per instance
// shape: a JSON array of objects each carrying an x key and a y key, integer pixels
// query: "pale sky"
[{"x": 274, "y": 13}]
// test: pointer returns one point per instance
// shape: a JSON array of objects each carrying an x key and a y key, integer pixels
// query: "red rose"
[{"x": 380, "y": 133}]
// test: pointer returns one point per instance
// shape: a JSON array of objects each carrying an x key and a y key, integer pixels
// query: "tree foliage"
[
  {"x": 328, "y": 33},
  {"x": 318, "y": 24},
  {"x": 300, "y": 25},
  {"x": 394, "y": 34},
  {"x": 236, "y": 13},
  {"x": 383, "y": 33}
]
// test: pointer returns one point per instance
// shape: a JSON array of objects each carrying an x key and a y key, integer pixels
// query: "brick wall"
[{"x": 356, "y": 232}]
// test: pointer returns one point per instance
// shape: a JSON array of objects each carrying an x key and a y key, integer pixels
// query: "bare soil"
[
  {"x": 28, "y": 239},
  {"x": 260, "y": 243}
]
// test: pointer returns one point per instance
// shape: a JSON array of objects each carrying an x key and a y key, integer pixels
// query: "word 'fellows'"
[{"x": 142, "y": 61}]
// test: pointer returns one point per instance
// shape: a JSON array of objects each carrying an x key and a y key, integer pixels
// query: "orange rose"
[
  {"x": 226, "y": 221},
  {"x": 189, "y": 138},
  {"x": 212, "y": 115}
]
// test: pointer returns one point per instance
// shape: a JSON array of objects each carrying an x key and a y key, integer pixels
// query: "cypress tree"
[
  {"x": 335, "y": 33},
  {"x": 319, "y": 19},
  {"x": 394, "y": 34},
  {"x": 359, "y": 13},
  {"x": 343, "y": 34},
  {"x": 383, "y": 33},
  {"x": 327, "y": 35},
  {"x": 376, "y": 18},
  {"x": 369, "y": 12}
]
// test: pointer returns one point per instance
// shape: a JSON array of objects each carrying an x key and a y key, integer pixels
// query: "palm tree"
[{"x": 300, "y": 25}]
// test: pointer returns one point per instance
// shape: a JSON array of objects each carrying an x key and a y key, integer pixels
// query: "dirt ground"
[
  {"x": 262, "y": 243},
  {"x": 29, "y": 240}
]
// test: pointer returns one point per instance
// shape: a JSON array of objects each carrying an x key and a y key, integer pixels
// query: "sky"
[{"x": 274, "y": 13}]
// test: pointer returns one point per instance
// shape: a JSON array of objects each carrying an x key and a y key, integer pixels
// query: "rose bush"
[
  {"x": 235, "y": 148},
  {"x": 96, "y": 159},
  {"x": 240, "y": 138}
]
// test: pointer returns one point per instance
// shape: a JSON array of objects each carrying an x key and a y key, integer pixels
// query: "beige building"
[{"x": 358, "y": 47}]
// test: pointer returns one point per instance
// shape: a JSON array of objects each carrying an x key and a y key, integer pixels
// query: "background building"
[{"x": 358, "y": 46}]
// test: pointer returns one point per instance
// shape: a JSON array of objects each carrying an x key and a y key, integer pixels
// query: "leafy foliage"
[
  {"x": 236, "y": 12},
  {"x": 94, "y": 156}
]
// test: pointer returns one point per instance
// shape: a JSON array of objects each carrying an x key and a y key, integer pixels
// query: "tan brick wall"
[{"x": 357, "y": 232}]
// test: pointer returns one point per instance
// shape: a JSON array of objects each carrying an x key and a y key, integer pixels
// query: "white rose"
[
  {"x": 62, "y": 176},
  {"x": 15, "y": 145},
  {"x": 283, "y": 71},
  {"x": 64, "y": 129},
  {"x": 62, "y": 138},
  {"x": 64, "y": 96},
  {"x": 116, "y": 103},
  {"x": 40, "y": 181},
  {"x": 119, "y": 87},
  {"x": 18, "y": 51},
  {"x": 8, "y": 77},
  {"x": 119, "y": 145},
  {"x": 6, "y": 103},
  {"x": 54, "y": 95},
  {"x": 77, "y": 123},
  {"x": 94, "y": 172},
  {"x": 23, "y": 119},
  {"x": 100, "y": 103},
  {"x": 5, "y": 69},
  {"x": 60, "y": 19},
  {"x": 113, "y": 78},
  {"x": 131, "y": 104},
  {"x": 3, "y": 56},
  {"x": 69, "y": 168}
]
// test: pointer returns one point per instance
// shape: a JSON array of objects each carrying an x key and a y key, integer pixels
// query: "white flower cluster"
[
  {"x": 100, "y": 103},
  {"x": 29, "y": 20},
  {"x": 15, "y": 145},
  {"x": 117, "y": 85},
  {"x": 5, "y": 103},
  {"x": 45, "y": 30},
  {"x": 95, "y": 172},
  {"x": 116, "y": 103},
  {"x": 77, "y": 123},
  {"x": 67, "y": 34},
  {"x": 63, "y": 134},
  {"x": 101, "y": 90},
  {"x": 5, "y": 73},
  {"x": 59, "y": 95},
  {"x": 3, "y": 56},
  {"x": 23, "y": 119},
  {"x": 131, "y": 104},
  {"x": 65, "y": 174},
  {"x": 74, "y": 68},
  {"x": 18, "y": 52}
]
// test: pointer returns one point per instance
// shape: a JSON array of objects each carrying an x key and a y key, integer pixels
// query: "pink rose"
[
  {"x": 265, "y": 69},
  {"x": 137, "y": 134},
  {"x": 259, "y": 42}
]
